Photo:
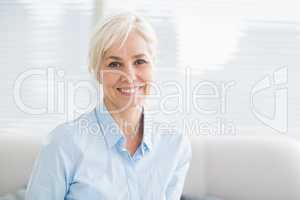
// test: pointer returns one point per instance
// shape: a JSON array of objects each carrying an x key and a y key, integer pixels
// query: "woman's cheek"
[
  {"x": 147, "y": 77},
  {"x": 146, "y": 73},
  {"x": 110, "y": 78}
]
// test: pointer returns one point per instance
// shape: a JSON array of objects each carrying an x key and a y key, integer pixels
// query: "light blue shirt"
[{"x": 85, "y": 159}]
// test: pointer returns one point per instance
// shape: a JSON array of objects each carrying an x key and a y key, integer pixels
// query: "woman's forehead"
[{"x": 134, "y": 46}]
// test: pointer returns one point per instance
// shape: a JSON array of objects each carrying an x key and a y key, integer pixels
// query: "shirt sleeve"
[
  {"x": 52, "y": 171},
  {"x": 176, "y": 184}
]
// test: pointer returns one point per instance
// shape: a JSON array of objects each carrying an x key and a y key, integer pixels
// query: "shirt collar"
[
  {"x": 110, "y": 130},
  {"x": 113, "y": 134}
]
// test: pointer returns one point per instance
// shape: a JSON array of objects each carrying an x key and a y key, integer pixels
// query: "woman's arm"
[
  {"x": 51, "y": 175},
  {"x": 175, "y": 186}
]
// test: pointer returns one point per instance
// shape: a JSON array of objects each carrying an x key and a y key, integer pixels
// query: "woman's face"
[{"x": 126, "y": 73}]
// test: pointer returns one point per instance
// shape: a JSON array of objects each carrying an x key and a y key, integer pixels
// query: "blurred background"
[{"x": 224, "y": 67}]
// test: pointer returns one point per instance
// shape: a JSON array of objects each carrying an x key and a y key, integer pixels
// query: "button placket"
[{"x": 133, "y": 182}]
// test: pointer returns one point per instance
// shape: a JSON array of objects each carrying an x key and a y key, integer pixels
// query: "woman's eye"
[
  {"x": 140, "y": 62},
  {"x": 114, "y": 65}
]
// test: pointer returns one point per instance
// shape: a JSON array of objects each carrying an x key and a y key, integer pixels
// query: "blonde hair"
[{"x": 115, "y": 29}]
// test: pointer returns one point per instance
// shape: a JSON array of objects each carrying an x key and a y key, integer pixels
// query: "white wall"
[{"x": 223, "y": 42}]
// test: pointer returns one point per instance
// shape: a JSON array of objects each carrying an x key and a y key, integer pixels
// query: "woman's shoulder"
[
  {"x": 172, "y": 137},
  {"x": 169, "y": 132},
  {"x": 74, "y": 132}
]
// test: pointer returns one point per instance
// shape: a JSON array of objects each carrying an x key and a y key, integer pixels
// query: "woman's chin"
[{"x": 130, "y": 103}]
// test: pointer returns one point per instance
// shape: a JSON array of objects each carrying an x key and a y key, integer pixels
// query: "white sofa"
[
  {"x": 245, "y": 168},
  {"x": 228, "y": 167}
]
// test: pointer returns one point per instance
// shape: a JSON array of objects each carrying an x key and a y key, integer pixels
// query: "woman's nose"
[{"x": 129, "y": 73}]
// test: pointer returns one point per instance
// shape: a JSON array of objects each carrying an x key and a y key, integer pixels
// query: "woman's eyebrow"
[
  {"x": 139, "y": 55},
  {"x": 135, "y": 56},
  {"x": 114, "y": 58}
]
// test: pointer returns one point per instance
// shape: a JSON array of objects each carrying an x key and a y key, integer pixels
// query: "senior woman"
[{"x": 115, "y": 151}]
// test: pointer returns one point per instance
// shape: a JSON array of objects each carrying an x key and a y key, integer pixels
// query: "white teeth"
[{"x": 130, "y": 91}]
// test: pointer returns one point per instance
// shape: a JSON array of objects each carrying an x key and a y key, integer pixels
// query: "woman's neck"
[{"x": 128, "y": 119}]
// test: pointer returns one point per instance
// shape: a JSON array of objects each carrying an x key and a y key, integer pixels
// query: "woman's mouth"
[{"x": 131, "y": 91}]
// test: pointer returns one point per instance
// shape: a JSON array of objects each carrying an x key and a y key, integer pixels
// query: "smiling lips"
[{"x": 130, "y": 91}]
